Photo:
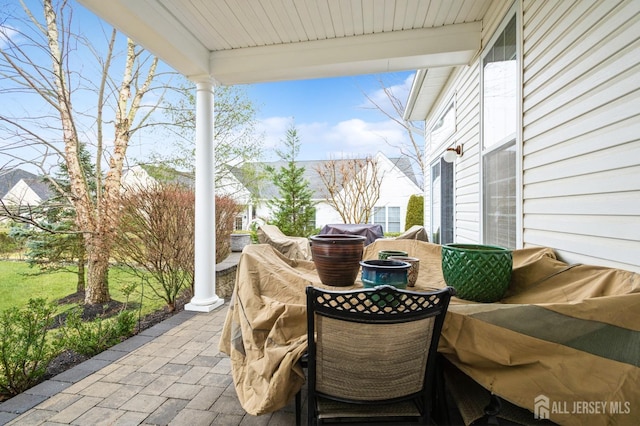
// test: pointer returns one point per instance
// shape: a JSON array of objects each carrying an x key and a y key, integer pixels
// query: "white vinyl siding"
[
  {"x": 579, "y": 156},
  {"x": 581, "y": 129},
  {"x": 465, "y": 90}
]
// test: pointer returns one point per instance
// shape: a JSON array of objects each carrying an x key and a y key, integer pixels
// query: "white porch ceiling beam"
[
  {"x": 151, "y": 26},
  {"x": 448, "y": 45}
]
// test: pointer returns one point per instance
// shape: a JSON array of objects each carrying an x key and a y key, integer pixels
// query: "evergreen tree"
[
  {"x": 56, "y": 242},
  {"x": 415, "y": 211},
  {"x": 293, "y": 211}
]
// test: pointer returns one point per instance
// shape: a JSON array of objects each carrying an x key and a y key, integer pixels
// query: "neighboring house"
[
  {"x": 135, "y": 178},
  {"x": 19, "y": 187},
  {"x": 548, "y": 120},
  {"x": 398, "y": 184}
]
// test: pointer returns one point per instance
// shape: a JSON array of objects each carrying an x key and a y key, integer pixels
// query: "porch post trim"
[{"x": 204, "y": 292}]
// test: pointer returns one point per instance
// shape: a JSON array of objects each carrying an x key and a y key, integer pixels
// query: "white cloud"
[
  {"x": 6, "y": 34},
  {"x": 274, "y": 130},
  {"x": 321, "y": 140},
  {"x": 349, "y": 137},
  {"x": 400, "y": 91}
]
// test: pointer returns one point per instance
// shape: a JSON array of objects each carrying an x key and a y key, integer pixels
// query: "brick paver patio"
[{"x": 169, "y": 374}]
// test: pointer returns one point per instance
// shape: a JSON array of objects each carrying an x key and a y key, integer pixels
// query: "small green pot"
[
  {"x": 479, "y": 273},
  {"x": 384, "y": 254}
]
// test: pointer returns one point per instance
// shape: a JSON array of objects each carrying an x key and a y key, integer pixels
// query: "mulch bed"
[{"x": 69, "y": 358}]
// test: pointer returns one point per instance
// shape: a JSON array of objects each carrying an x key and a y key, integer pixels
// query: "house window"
[
  {"x": 441, "y": 190},
  {"x": 499, "y": 123},
  {"x": 499, "y": 196},
  {"x": 442, "y": 202},
  {"x": 393, "y": 219},
  {"x": 238, "y": 223},
  {"x": 444, "y": 127},
  {"x": 388, "y": 218}
]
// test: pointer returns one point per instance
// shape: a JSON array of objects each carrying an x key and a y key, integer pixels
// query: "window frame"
[
  {"x": 384, "y": 211},
  {"x": 516, "y": 12},
  {"x": 439, "y": 144}
]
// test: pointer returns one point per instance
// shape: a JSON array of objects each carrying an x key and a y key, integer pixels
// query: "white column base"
[{"x": 207, "y": 305}]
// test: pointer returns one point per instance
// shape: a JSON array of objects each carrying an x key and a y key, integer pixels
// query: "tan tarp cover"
[
  {"x": 567, "y": 333},
  {"x": 291, "y": 247},
  {"x": 416, "y": 232}
]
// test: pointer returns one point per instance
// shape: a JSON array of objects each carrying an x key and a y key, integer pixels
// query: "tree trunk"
[
  {"x": 80, "y": 282},
  {"x": 97, "y": 275},
  {"x": 97, "y": 271}
]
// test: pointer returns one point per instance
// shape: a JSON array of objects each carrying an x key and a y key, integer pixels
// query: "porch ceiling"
[{"x": 240, "y": 41}]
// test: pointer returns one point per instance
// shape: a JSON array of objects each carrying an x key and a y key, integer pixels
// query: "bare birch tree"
[
  {"x": 392, "y": 107},
  {"x": 44, "y": 64},
  {"x": 351, "y": 187}
]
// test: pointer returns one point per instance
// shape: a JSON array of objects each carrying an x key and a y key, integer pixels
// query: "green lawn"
[{"x": 18, "y": 284}]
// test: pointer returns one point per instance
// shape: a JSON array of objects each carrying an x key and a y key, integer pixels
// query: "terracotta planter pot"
[{"x": 337, "y": 258}]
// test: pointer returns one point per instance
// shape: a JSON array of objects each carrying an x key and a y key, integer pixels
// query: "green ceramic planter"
[{"x": 479, "y": 273}]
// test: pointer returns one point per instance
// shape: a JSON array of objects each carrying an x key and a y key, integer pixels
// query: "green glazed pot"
[
  {"x": 479, "y": 273},
  {"x": 384, "y": 272}
]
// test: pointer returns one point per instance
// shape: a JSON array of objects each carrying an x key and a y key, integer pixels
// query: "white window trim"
[
  {"x": 517, "y": 11},
  {"x": 386, "y": 208},
  {"x": 436, "y": 154}
]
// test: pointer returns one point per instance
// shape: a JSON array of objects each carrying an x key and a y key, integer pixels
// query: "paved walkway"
[{"x": 169, "y": 374}]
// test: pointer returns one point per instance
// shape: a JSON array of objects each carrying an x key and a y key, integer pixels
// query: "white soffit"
[
  {"x": 425, "y": 90},
  {"x": 364, "y": 54},
  {"x": 240, "y": 41}
]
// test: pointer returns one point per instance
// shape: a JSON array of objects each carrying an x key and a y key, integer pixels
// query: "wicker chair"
[{"x": 374, "y": 354}]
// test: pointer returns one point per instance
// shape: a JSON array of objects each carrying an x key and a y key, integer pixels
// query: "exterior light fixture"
[{"x": 451, "y": 154}]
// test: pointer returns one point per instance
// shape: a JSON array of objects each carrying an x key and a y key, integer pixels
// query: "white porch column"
[{"x": 204, "y": 297}]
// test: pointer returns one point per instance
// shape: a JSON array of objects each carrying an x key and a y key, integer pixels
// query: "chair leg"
[
  {"x": 440, "y": 407},
  {"x": 492, "y": 410}
]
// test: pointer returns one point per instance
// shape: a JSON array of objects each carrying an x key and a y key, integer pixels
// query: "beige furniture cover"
[
  {"x": 416, "y": 232},
  {"x": 570, "y": 334},
  {"x": 291, "y": 247}
]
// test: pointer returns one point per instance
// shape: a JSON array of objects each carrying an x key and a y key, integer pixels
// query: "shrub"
[
  {"x": 9, "y": 244},
  {"x": 226, "y": 211},
  {"x": 92, "y": 337},
  {"x": 24, "y": 350},
  {"x": 156, "y": 238},
  {"x": 415, "y": 212}
]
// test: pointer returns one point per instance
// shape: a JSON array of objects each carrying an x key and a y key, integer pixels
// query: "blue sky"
[{"x": 333, "y": 116}]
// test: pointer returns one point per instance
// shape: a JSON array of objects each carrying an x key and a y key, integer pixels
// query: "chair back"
[{"x": 373, "y": 345}]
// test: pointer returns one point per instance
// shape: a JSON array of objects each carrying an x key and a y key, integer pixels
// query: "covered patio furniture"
[
  {"x": 291, "y": 247},
  {"x": 370, "y": 231},
  {"x": 416, "y": 232},
  {"x": 374, "y": 354},
  {"x": 563, "y": 334}
]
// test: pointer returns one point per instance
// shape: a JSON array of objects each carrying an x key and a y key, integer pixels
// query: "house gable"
[{"x": 22, "y": 194}]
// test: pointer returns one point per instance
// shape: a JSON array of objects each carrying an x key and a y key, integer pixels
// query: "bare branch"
[
  {"x": 414, "y": 148},
  {"x": 351, "y": 187}
]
